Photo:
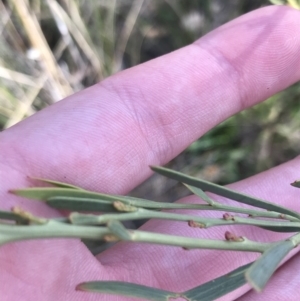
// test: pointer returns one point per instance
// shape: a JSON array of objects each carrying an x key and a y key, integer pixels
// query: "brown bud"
[{"x": 232, "y": 237}]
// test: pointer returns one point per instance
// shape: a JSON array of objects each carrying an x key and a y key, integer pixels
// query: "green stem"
[
  {"x": 253, "y": 212},
  {"x": 53, "y": 229},
  {"x": 78, "y": 218},
  {"x": 196, "y": 243}
]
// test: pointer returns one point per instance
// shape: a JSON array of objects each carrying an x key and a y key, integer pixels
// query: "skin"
[{"x": 105, "y": 137}]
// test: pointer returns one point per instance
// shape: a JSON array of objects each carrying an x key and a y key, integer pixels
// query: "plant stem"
[
  {"x": 196, "y": 243},
  {"x": 53, "y": 229},
  {"x": 78, "y": 218}
]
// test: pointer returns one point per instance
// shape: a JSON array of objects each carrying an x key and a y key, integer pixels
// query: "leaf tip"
[
  {"x": 296, "y": 184},
  {"x": 80, "y": 287},
  {"x": 13, "y": 191}
]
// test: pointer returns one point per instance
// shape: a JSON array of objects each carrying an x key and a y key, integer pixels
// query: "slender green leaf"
[
  {"x": 127, "y": 289},
  {"x": 262, "y": 270},
  {"x": 285, "y": 229},
  {"x": 80, "y": 204},
  {"x": 75, "y": 199},
  {"x": 119, "y": 230},
  {"x": 57, "y": 184},
  {"x": 45, "y": 193},
  {"x": 218, "y": 287},
  {"x": 206, "y": 292},
  {"x": 199, "y": 192},
  {"x": 223, "y": 191},
  {"x": 87, "y": 204},
  {"x": 217, "y": 206}
]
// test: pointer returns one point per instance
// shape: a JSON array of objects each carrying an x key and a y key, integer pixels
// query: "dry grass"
[{"x": 51, "y": 49}]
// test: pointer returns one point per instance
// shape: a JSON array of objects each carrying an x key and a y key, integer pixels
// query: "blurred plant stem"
[{"x": 54, "y": 229}]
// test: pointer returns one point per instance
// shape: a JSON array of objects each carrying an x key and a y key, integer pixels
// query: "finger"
[{"x": 105, "y": 137}]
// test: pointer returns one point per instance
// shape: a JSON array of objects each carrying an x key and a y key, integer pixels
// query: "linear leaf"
[
  {"x": 199, "y": 192},
  {"x": 126, "y": 289},
  {"x": 206, "y": 292},
  {"x": 55, "y": 194},
  {"x": 218, "y": 287},
  {"x": 263, "y": 268},
  {"x": 57, "y": 184},
  {"x": 285, "y": 229},
  {"x": 119, "y": 230},
  {"x": 80, "y": 204},
  {"x": 45, "y": 193},
  {"x": 223, "y": 191},
  {"x": 254, "y": 212}
]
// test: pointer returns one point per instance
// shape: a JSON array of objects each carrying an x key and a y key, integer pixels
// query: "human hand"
[{"x": 105, "y": 137}]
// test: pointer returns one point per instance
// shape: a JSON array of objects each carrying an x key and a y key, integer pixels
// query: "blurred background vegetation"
[{"x": 50, "y": 49}]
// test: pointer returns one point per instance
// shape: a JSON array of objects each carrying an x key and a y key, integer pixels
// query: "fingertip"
[{"x": 258, "y": 52}]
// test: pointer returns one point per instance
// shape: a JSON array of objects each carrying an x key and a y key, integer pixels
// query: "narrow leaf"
[
  {"x": 87, "y": 204},
  {"x": 223, "y": 191},
  {"x": 80, "y": 204},
  {"x": 218, "y": 287},
  {"x": 199, "y": 192},
  {"x": 263, "y": 268},
  {"x": 74, "y": 199},
  {"x": 119, "y": 230},
  {"x": 285, "y": 229},
  {"x": 126, "y": 289},
  {"x": 57, "y": 184},
  {"x": 45, "y": 193}
]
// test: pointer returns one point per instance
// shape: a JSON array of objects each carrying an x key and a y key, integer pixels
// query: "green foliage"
[{"x": 20, "y": 225}]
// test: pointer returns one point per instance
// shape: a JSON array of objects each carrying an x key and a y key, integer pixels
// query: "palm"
[{"x": 142, "y": 116}]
